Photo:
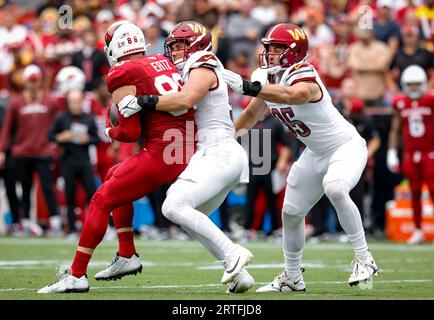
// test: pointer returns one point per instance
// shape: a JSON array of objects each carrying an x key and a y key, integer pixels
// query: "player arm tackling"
[
  {"x": 200, "y": 81},
  {"x": 300, "y": 93}
]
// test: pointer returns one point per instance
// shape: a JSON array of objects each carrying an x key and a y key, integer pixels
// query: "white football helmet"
[
  {"x": 123, "y": 38},
  {"x": 70, "y": 78},
  {"x": 414, "y": 74}
]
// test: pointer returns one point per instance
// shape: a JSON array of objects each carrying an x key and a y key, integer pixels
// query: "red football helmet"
[
  {"x": 289, "y": 35},
  {"x": 194, "y": 34}
]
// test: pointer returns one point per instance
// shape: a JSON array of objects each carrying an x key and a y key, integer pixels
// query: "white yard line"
[
  {"x": 168, "y": 244},
  {"x": 220, "y": 285}
]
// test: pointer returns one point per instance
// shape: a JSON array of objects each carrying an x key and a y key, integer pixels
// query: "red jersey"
[
  {"x": 417, "y": 122},
  {"x": 26, "y": 127},
  {"x": 152, "y": 74}
]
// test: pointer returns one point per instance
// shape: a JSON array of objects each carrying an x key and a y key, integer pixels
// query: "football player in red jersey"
[
  {"x": 414, "y": 117},
  {"x": 220, "y": 161},
  {"x": 132, "y": 74}
]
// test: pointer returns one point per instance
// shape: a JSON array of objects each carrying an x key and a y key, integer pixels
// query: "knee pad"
[
  {"x": 100, "y": 200},
  {"x": 291, "y": 210},
  {"x": 173, "y": 205},
  {"x": 337, "y": 190}
]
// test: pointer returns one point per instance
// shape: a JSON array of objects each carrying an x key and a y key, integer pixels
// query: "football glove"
[
  {"x": 241, "y": 85},
  {"x": 128, "y": 106},
  {"x": 393, "y": 160}
]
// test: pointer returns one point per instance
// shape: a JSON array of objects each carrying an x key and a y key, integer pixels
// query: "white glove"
[
  {"x": 234, "y": 81},
  {"x": 260, "y": 75},
  {"x": 393, "y": 160},
  {"x": 128, "y": 106},
  {"x": 106, "y": 131}
]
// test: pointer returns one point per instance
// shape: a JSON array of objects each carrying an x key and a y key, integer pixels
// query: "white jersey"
[
  {"x": 318, "y": 124},
  {"x": 213, "y": 113}
]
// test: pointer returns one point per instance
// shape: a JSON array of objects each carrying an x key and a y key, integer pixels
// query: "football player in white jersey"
[
  {"x": 219, "y": 163},
  {"x": 332, "y": 162}
]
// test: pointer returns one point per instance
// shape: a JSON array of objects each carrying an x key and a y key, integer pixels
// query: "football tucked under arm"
[
  {"x": 122, "y": 129},
  {"x": 113, "y": 116}
]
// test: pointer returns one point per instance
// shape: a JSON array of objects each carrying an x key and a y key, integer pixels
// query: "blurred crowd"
[{"x": 359, "y": 47}]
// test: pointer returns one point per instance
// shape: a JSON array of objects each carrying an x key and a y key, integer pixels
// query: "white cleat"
[
  {"x": 282, "y": 283},
  {"x": 242, "y": 282},
  {"x": 363, "y": 270},
  {"x": 237, "y": 259},
  {"x": 417, "y": 237},
  {"x": 120, "y": 267},
  {"x": 67, "y": 283}
]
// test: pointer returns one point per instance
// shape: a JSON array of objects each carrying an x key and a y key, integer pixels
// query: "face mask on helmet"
[
  {"x": 414, "y": 90},
  {"x": 285, "y": 45},
  {"x": 185, "y": 39},
  {"x": 414, "y": 81},
  {"x": 177, "y": 51}
]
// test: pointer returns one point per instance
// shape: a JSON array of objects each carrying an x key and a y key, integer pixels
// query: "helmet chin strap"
[{"x": 415, "y": 94}]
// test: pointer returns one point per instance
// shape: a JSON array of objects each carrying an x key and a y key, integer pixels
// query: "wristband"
[
  {"x": 148, "y": 102},
  {"x": 251, "y": 88}
]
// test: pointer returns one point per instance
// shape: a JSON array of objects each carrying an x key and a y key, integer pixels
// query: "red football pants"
[
  {"x": 417, "y": 168},
  {"x": 132, "y": 179}
]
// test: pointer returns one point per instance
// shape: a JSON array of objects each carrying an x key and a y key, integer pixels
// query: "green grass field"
[{"x": 184, "y": 270}]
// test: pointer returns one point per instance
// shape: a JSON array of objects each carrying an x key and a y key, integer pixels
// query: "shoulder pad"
[
  {"x": 299, "y": 72},
  {"x": 201, "y": 59}
]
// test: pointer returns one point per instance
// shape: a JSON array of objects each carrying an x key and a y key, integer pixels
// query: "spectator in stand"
[
  {"x": 8, "y": 174},
  {"x": 368, "y": 60},
  {"x": 425, "y": 14},
  {"x": 153, "y": 35},
  {"x": 74, "y": 131},
  {"x": 12, "y": 35},
  {"x": 334, "y": 63},
  {"x": 91, "y": 60},
  {"x": 264, "y": 12},
  {"x": 401, "y": 13},
  {"x": 104, "y": 18},
  {"x": 59, "y": 45},
  {"x": 242, "y": 30},
  {"x": 30, "y": 116},
  {"x": 318, "y": 33},
  {"x": 410, "y": 53},
  {"x": 385, "y": 28}
]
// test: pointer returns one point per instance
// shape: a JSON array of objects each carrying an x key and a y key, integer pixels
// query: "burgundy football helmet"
[
  {"x": 293, "y": 38},
  {"x": 195, "y": 36}
]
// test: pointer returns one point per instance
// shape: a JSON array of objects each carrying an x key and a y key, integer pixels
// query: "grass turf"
[{"x": 184, "y": 270}]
